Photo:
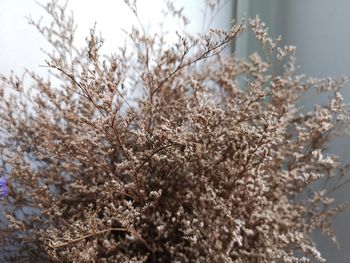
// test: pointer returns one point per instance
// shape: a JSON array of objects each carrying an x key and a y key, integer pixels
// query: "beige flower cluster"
[{"x": 166, "y": 153}]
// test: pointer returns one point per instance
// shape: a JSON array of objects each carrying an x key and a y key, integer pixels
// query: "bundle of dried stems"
[{"x": 166, "y": 152}]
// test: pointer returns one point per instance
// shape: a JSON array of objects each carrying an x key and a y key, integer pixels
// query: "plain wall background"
[{"x": 20, "y": 43}]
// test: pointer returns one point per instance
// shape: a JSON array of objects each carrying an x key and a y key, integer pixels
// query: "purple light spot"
[{"x": 3, "y": 187}]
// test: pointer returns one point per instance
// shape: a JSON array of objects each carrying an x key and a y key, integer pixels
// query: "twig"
[
  {"x": 204, "y": 55},
  {"x": 151, "y": 155},
  {"x": 142, "y": 164},
  {"x": 129, "y": 230},
  {"x": 90, "y": 235},
  {"x": 79, "y": 85}
]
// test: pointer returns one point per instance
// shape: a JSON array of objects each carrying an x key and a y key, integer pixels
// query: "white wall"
[{"x": 20, "y": 43}]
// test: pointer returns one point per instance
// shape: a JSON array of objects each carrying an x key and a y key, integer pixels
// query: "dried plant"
[{"x": 166, "y": 152}]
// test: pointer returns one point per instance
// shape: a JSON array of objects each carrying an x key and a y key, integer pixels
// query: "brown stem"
[
  {"x": 129, "y": 230},
  {"x": 89, "y": 235},
  {"x": 204, "y": 55}
]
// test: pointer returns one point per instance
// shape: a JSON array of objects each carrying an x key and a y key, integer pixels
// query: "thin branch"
[
  {"x": 338, "y": 186},
  {"x": 150, "y": 156},
  {"x": 129, "y": 230},
  {"x": 137, "y": 181},
  {"x": 89, "y": 235},
  {"x": 71, "y": 77},
  {"x": 205, "y": 55},
  {"x": 119, "y": 139}
]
